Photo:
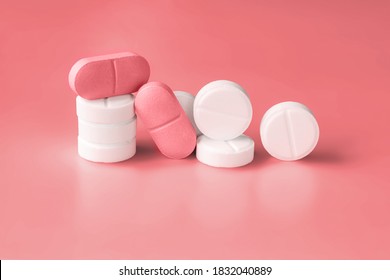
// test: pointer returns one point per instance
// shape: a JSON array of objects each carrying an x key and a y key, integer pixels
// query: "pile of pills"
[
  {"x": 222, "y": 112},
  {"x": 113, "y": 91}
]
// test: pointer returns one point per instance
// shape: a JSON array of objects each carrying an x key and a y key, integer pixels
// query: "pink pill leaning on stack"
[
  {"x": 157, "y": 107},
  {"x": 108, "y": 75}
]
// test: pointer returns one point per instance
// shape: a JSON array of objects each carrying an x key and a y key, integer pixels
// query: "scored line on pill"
[
  {"x": 223, "y": 114},
  {"x": 165, "y": 124},
  {"x": 290, "y": 132},
  {"x": 231, "y": 145}
]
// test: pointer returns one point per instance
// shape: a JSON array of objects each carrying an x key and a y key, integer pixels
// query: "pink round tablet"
[
  {"x": 108, "y": 75},
  {"x": 157, "y": 107}
]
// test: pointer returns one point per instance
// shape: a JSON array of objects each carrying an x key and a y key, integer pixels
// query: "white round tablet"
[
  {"x": 106, "y": 110},
  {"x": 106, "y": 152},
  {"x": 222, "y": 110},
  {"x": 230, "y": 153},
  {"x": 186, "y": 101},
  {"x": 289, "y": 131},
  {"x": 107, "y": 133}
]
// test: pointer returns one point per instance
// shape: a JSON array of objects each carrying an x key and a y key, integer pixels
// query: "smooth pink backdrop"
[{"x": 333, "y": 56}]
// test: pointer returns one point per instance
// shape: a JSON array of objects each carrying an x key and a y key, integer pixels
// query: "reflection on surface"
[
  {"x": 220, "y": 197},
  {"x": 128, "y": 195},
  {"x": 285, "y": 191}
]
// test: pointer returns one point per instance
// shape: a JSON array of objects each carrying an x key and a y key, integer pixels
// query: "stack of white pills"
[
  {"x": 107, "y": 128},
  {"x": 222, "y": 112}
]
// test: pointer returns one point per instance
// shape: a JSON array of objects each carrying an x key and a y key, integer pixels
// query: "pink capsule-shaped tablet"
[
  {"x": 157, "y": 107},
  {"x": 108, "y": 75}
]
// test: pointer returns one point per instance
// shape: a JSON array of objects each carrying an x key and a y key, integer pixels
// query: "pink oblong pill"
[
  {"x": 108, "y": 75},
  {"x": 157, "y": 107}
]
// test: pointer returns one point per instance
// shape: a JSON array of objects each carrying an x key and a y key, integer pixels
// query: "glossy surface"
[{"x": 333, "y": 56}]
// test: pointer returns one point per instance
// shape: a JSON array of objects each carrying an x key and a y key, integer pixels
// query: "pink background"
[{"x": 333, "y": 56}]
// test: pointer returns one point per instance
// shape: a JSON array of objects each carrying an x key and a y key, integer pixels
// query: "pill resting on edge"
[
  {"x": 289, "y": 131},
  {"x": 222, "y": 110}
]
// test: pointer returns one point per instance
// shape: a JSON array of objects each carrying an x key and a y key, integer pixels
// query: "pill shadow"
[
  {"x": 259, "y": 159},
  {"x": 335, "y": 151},
  {"x": 145, "y": 152},
  {"x": 286, "y": 192},
  {"x": 328, "y": 157}
]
